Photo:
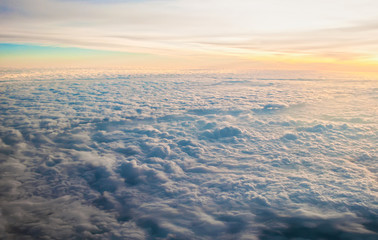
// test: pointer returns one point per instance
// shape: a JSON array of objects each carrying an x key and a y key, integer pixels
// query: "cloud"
[
  {"x": 197, "y": 27},
  {"x": 224, "y": 132},
  {"x": 108, "y": 155},
  {"x": 343, "y": 227}
]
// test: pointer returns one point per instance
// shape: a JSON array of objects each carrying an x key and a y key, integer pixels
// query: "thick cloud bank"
[{"x": 110, "y": 156}]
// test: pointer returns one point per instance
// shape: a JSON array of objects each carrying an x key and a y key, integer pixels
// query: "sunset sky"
[
  {"x": 191, "y": 34},
  {"x": 189, "y": 119}
]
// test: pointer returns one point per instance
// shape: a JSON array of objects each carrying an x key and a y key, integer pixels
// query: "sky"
[
  {"x": 191, "y": 34},
  {"x": 178, "y": 119}
]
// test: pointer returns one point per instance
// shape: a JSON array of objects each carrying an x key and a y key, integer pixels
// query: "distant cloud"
[{"x": 339, "y": 29}]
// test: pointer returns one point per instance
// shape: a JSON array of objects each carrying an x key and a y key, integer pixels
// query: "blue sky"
[{"x": 12, "y": 48}]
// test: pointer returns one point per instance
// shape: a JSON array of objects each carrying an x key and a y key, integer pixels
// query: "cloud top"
[{"x": 106, "y": 155}]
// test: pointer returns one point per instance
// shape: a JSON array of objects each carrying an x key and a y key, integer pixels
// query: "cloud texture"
[{"x": 107, "y": 155}]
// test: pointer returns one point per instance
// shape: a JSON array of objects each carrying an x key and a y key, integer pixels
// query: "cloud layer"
[{"x": 110, "y": 155}]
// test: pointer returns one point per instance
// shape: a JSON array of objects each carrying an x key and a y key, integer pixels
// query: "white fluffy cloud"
[{"x": 186, "y": 157}]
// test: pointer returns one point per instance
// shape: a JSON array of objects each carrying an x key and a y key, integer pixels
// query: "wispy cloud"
[{"x": 165, "y": 27}]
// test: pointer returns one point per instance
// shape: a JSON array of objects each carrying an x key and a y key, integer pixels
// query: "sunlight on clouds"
[
  {"x": 188, "y": 119},
  {"x": 186, "y": 31}
]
